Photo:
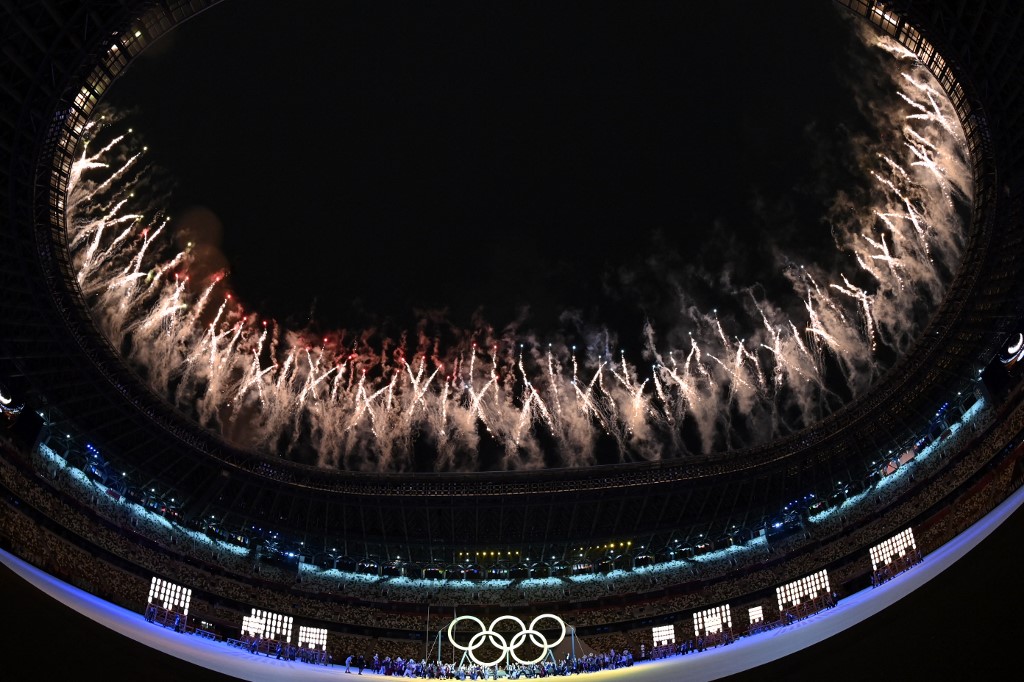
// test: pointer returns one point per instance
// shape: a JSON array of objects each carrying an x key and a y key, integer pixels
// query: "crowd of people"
[
  {"x": 82, "y": 516},
  {"x": 886, "y": 572},
  {"x": 274, "y": 648}
]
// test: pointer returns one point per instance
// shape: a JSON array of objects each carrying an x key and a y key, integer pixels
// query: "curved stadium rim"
[{"x": 51, "y": 124}]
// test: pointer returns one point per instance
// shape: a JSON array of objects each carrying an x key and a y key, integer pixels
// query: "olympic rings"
[{"x": 498, "y": 640}]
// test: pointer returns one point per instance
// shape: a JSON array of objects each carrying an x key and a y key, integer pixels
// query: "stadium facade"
[{"x": 949, "y": 396}]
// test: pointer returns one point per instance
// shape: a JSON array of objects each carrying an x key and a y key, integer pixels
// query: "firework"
[{"x": 357, "y": 407}]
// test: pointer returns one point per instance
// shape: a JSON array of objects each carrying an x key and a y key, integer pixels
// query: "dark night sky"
[{"x": 389, "y": 159}]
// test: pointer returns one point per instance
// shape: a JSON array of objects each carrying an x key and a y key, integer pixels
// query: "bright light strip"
[
  {"x": 168, "y": 595},
  {"x": 254, "y": 626},
  {"x": 663, "y": 634},
  {"x": 805, "y": 588},
  {"x": 712, "y": 620},
  {"x": 274, "y": 625},
  {"x": 889, "y": 550},
  {"x": 1015, "y": 351},
  {"x": 4, "y": 399},
  {"x": 313, "y": 637},
  {"x": 755, "y": 614}
]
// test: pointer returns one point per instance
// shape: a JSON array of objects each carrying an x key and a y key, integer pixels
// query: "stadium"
[{"x": 111, "y": 488}]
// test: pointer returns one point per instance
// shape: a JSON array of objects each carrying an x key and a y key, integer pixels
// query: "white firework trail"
[
  {"x": 864, "y": 299},
  {"x": 883, "y": 255}
]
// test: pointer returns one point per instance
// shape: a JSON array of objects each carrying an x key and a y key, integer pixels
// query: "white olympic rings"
[{"x": 498, "y": 640}]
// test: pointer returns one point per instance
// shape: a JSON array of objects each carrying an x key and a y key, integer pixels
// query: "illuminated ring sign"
[
  {"x": 498, "y": 640},
  {"x": 1015, "y": 351},
  {"x": 7, "y": 406}
]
